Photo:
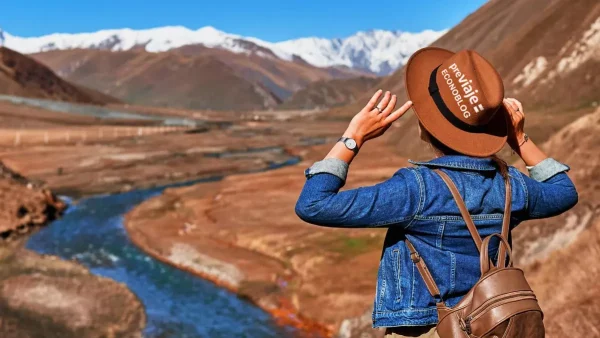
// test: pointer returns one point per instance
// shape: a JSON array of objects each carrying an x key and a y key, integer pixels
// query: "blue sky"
[{"x": 269, "y": 20}]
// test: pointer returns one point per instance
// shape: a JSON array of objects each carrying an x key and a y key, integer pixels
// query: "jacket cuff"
[
  {"x": 332, "y": 166},
  {"x": 546, "y": 169}
]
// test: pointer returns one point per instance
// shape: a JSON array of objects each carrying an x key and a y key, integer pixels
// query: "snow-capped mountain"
[{"x": 377, "y": 51}]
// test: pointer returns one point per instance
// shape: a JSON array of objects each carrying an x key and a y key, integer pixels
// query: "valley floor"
[{"x": 240, "y": 230}]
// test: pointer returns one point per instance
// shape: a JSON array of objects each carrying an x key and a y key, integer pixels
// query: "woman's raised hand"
[
  {"x": 516, "y": 134},
  {"x": 375, "y": 118}
]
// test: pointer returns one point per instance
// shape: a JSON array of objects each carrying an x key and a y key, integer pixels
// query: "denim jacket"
[{"x": 416, "y": 204}]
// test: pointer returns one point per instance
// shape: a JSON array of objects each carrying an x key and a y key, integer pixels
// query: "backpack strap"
[
  {"x": 461, "y": 207},
  {"x": 507, "y": 210},
  {"x": 424, "y": 272},
  {"x": 418, "y": 260}
]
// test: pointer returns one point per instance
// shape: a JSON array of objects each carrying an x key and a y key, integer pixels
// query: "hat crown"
[{"x": 470, "y": 87}]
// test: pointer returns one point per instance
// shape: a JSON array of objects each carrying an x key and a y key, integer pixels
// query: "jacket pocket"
[
  {"x": 380, "y": 289},
  {"x": 397, "y": 260},
  {"x": 390, "y": 282}
]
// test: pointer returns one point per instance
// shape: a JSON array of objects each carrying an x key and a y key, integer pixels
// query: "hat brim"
[{"x": 483, "y": 143}]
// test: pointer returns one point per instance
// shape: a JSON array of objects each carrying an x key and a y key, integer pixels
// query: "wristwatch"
[
  {"x": 525, "y": 139},
  {"x": 349, "y": 143}
]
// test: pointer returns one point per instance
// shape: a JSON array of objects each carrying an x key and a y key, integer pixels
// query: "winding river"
[{"x": 177, "y": 303}]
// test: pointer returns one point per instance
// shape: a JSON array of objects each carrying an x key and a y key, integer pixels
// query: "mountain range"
[
  {"x": 377, "y": 51},
  {"x": 212, "y": 70},
  {"x": 23, "y": 76}
]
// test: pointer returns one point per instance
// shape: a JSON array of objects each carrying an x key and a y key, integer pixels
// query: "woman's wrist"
[
  {"x": 530, "y": 153},
  {"x": 521, "y": 139},
  {"x": 518, "y": 141},
  {"x": 353, "y": 134}
]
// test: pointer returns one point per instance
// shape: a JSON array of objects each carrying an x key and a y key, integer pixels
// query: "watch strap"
[{"x": 343, "y": 139}]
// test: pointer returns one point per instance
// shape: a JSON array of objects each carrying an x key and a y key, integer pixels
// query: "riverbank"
[
  {"x": 47, "y": 296},
  {"x": 242, "y": 233},
  {"x": 225, "y": 276},
  {"x": 176, "y": 303}
]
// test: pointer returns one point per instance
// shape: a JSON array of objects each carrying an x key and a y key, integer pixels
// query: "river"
[{"x": 177, "y": 303}]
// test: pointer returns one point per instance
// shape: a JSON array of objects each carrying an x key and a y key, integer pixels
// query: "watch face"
[{"x": 350, "y": 143}]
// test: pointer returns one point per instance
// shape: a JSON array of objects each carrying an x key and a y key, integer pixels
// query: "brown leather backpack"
[{"x": 501, "y": 304}]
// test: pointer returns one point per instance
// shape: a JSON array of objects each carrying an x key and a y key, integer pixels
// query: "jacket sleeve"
[
  {"x": 550, "y": 191},
  {"x": 392, "y": 202}
]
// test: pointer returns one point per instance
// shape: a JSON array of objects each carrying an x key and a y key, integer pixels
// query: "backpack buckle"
[{"x": 415, "y": 257}]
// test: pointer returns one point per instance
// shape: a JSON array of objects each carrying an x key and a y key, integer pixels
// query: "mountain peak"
[{"x": 210, "y": 29}]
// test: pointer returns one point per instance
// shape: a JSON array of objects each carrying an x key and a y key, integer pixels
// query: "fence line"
[{"x": 53, "y": 136}]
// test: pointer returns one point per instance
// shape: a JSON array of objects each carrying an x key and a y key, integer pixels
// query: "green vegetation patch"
[{"x": 350, "y": 246}]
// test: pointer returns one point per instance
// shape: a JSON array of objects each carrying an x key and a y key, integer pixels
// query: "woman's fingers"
[
  {"x": 516, "y": 115},
  {"x": 520, "y": 105},
  {"x": 373, "y": 101},
  {"x": 398, "y": 113},
  {"x": 511, "y": 104},
  {"x": 391, "y": 105},
  {"x": 516, "y": 105},
  {"x": 384, "y": 102},
  {"x": 512, "y": 109},
  {"x": 508, "y": 106}
]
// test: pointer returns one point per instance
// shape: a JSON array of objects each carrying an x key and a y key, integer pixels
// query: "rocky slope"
[
  {"x": 561, "y": 253},
  {"x": 44, "y": 295},
  {"x": 22, "y": 76},
  {"x": 24, "y": 206},
  {"x": 546, "y": 51},
  {"x": 537, "y": 46}
]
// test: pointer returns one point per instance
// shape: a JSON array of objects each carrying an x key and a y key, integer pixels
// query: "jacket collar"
[{"x": 460, "y": 162}]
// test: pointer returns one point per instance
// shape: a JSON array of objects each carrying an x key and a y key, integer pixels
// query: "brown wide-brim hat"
[{"x": 458, "y": 99}]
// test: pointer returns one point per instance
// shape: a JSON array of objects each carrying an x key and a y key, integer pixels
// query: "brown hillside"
[
  {"x": 546, "y": 51},
  {"x": 162, "y": 79},
  {"x": 563, "y": 252},
  {"x": 513, "y": 34},
  {"x": 193, "y": 77},
  {"x": 330, "y": 93},
  {"x": 23, "y": 76},
  {"x": 281, "y": 77}
]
